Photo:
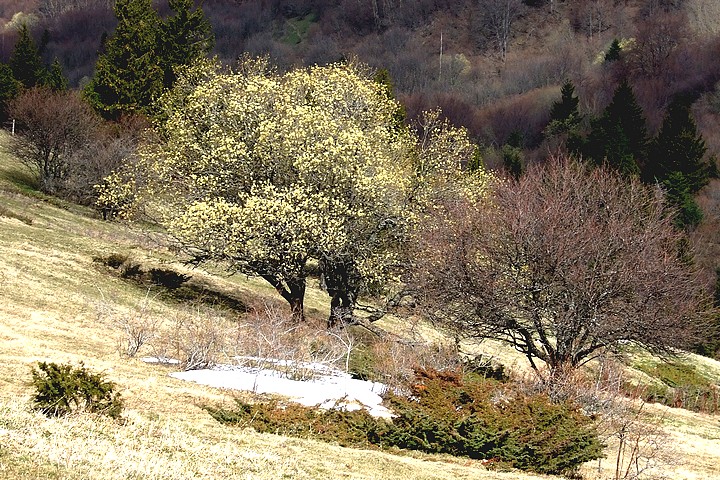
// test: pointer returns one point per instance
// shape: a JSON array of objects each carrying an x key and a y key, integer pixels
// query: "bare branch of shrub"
[
  {"x": 135, "y": 327},
  {"x": 197, "y": 338}
]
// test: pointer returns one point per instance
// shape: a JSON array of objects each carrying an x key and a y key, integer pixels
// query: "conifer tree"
[
  {"x": 55, "y": 79},
  {"x": 564, "y": 114},
  {"x": 382, "y": 76},
  {"x": 25, "y": 59},
  {"x": 567, "y": 108},
  {"x": 184, "y": 37},
  {"x": 619, "y": 137},
  {"x": 9, "y": 88},
  {"x": 128, "y": 74},
  {"x": 677, "y": 161},
  {"x": 613, "y": 52},
  {"x": 679, "y": 148}
]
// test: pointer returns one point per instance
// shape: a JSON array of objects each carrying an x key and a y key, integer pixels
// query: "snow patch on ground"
[{"x": 330, "y": 388}]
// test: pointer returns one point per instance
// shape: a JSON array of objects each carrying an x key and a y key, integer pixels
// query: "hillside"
[
  {"x": 58, "y": 304},
  {"x": 77, "y": 289}
]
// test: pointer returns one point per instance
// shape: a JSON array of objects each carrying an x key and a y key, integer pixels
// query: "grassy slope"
[{"x": 53, "y": 306}]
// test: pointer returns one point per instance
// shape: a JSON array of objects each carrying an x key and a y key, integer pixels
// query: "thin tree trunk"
[{"x": 341, "y": 308}]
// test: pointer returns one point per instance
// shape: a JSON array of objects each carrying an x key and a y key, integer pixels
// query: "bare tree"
[
  {"x": 499, "y": 17},
  {"x": 562, "y": 264},
  {"x": 592, "y": 16},
  {"x": 657, "y": 39},
  {"x": 69, "y": 147},
  {"x": 53, "y": 127}
]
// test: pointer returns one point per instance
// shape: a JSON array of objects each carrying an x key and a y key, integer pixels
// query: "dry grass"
[{"x": 53, "y": 306}]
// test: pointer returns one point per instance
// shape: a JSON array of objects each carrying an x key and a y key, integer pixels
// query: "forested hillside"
[{"x": 493, "y": 65}]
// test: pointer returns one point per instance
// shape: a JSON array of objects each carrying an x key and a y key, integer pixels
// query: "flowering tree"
[{"x": 267, "y": 171}]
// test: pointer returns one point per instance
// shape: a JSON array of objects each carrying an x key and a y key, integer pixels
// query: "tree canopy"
[
  {"x": 563, "y": 264},
  {"x": 677, "y": 162},
  {"x": 140, "y": 58},
  {"x": 25, "y": 60},
  {"x": 184, "y": 37},
  {"x": 127, "y": 74},
  {"x": 267, "y": 171}
]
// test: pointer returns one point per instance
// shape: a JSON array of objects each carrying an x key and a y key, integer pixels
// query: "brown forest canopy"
[{"x": 667, "y": 48}]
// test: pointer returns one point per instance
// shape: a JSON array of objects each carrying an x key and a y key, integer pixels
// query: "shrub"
[
  {"x": 114, "y": 260},
  {"x": 485, "y": 420},
  {"x": 168, "y": 278},
  {"x": 481, "y": 419},
  {"x": 63, "y": 389},
  {"x": 346, "y": 428}
]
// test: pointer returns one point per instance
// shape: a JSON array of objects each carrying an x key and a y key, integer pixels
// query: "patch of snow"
[
  {"x": 331, "y": 389},
  {"x": 161, "y": 360}
]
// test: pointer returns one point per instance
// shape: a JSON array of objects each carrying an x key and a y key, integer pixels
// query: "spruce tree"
[
  {"x": 619, "y": 136},
  {"x": 184, "y": 37},
  {"x": 129, "y": 74},
  {"x": 613, "y": 52},
  {"x": 564, "y": 114},
  {"x": 382, "y": 76},
  {"x": 567, "y": 108},
  {"x": 9, "y": 88},
  {"x": 677, "y": 162},
  {"x": 679, "y": 148},
  {"x": 55, "y": 80},
  {"x": 25, "y": 59}
]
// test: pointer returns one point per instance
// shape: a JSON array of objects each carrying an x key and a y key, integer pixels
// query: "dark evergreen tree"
[
  {"x": 619, "y": 136},
  {"x": 44, "y": 40},
  {"x": 678, "y": 148},
  {"x": 382, "y": 76},
  {"x": 9, "y": 88},
  {"x": 677, "y": 161},
  {"x": 184, "y": 37},
  {"x": 564, "y": 114},
  {"x": 678, "y": 194},
  {"x": 129, "y": 74},
  {"x": 25, "y": 59},
  {"x": 55, "y": 80},
  {"x": 512, "y": 160},
  {"x": 566, "y": 109},
  {"x": 613, "y": 52}
]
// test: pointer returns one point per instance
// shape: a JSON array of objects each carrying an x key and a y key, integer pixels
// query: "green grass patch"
[
  {"x": 680, "y": 385},
  {"x": 296, "y": 29}
]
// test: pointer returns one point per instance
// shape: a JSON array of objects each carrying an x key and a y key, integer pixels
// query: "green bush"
[
  {"x": 481, "y": 419},
  {"x": 63, "y": 389},
  {"x": 488, "y": 420},
  {"x": 348, "y": 429}
]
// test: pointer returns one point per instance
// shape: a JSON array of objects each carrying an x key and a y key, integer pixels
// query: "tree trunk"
[
  {"x": 340, "y": 308},
  {"x": 293, "y": 291},
  {"x": 297, "y": 308}
]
